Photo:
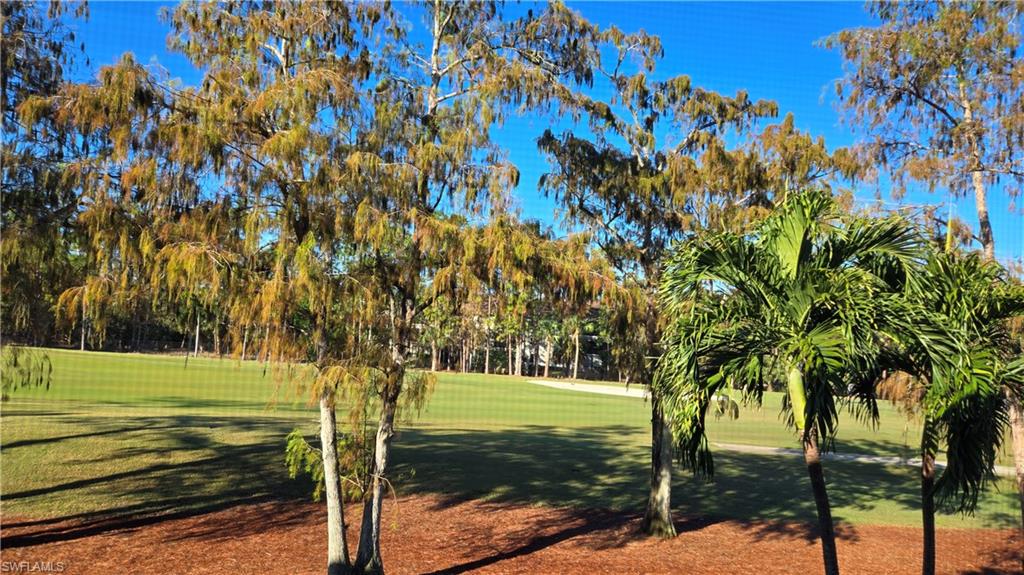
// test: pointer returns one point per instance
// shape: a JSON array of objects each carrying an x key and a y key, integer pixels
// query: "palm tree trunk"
[
  {"x": 928, "y": 513},
  {"x": 929, "y": 447},
  {"x": 812, "y": 457},
  {"x": 658, "y": 516},
  {"x": 337, "y": 547}
]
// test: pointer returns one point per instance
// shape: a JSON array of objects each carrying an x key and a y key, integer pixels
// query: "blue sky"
[{"x": 765, "y": 48}]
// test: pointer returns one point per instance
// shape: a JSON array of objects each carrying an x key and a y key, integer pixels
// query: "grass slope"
[{"x": 121, "y": 435}]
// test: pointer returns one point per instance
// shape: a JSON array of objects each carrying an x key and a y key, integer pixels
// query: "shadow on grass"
[
  {"x": 168, "y": 468},
  {"x": 179, "y": 466},
  {"x": 592, "y": 468}
]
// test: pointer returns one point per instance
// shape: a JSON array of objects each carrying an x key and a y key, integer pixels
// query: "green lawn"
[{"x": 122, "y": 434}]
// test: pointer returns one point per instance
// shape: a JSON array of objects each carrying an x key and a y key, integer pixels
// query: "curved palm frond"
[{"x": 809, "y": 289}]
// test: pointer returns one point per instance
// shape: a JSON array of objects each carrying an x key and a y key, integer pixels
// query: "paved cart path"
[
  {"x": 641, "y": 391},
  {"x": 631, "y": 391}
]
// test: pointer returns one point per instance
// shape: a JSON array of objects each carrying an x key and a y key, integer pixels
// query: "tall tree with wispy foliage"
[
  {"x": 939, "y": 87},
  {"x": 427, "y": 164},
  {"x": 650, "y": 165},
  {"x": 226, "y": 194},
  {"x": 637, "y": 193},
  {"x": 38, "y": 204}
]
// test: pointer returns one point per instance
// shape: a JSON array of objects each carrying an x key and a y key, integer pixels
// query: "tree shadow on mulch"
[
  {"x": 591, "y": 468},
  {"x": 605, "y": 526},
  {"x": 1013, "y": 554}
]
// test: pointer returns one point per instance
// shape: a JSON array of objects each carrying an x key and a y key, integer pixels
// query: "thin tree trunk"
[
  {"x": 337, "y": 547},
  {"x": 519, "y": 355},
  {"x": 658, "y": 516},
  {"x": 196, "y": 354},
  {"x": 1017, "y": 432},
  {"x": 988, "y": 246},
  {"x": 216, "y": 338},
  {"x": 433, "y": 355},
  {"x": 463, "y": 356},
  {"x": 508, "y": 348},
  {"x": 812, "y": 457},
  {"x": 266, "y": 344},
  {"x": 487, "y": 354},
  {"x": 245, "y": 340},
  {"x": 547, "y": 356},
  {"x": 928, "y": 513},
  {"x": 537, "y": 359},
  {"x": 576, "y": 353},
  {"x": 929, "y": 447},
  {"x": 978, "y": 182},
  {"x": 368, "y": 558},
  {"x": 984, "y": 223},
  {"x": 82, "y": 346}
]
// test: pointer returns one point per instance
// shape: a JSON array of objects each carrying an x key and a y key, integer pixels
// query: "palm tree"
[
  {"x": 804, "y": 296},
  {"x": 964, "y": 409}
]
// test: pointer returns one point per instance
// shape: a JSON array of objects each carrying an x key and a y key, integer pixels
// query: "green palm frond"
[{"x": 810, "y": 289}]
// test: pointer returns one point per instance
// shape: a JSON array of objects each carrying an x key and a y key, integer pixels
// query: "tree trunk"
[
  {"x": 547, "y": 355},
  {"x": 487, "y": 354},
  {"x": 812, "y": 457},
  {"x": 537, "y": 359},
  {"x": 245, "y": 341},
  {"x": 433, "y": 355},
  {"x": 988, "y": 246},
  {"x": 1017, "y": 432},
  {"x": 82, "y": 346},
  {"x": 337, "y": 547},
  {"x": 463, "y": 356},
  {"x": 216, "y": 338},
  {"x": 658, "y": 516},
  {"x": 519, "y": 355},
  {"x": 508, "y": 348},
  {"x": 266, "y": 344},
  {"x": 928, "y": 512},
  {"x": 978, "y": 182},
  {"x": 576, "y": 353},
  {"x": 984, "y": 223},
  {"x": 368, "y": 559},
  {"x": 196, "y": 354}
]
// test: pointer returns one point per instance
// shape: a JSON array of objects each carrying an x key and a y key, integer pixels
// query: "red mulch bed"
[{"x": 432, "y": 535}]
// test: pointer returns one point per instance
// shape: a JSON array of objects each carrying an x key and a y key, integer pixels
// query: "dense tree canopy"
[{"x": 332, "y": 198}]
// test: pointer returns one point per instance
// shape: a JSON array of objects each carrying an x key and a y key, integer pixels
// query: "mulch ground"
[{"x": 435, "y": 536}]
